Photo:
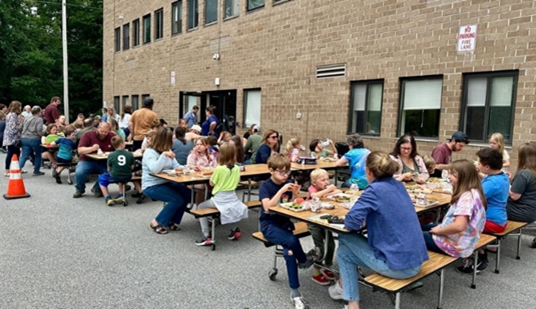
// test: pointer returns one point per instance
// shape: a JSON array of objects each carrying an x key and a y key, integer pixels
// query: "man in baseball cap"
[{"x": 442, "y": 153}]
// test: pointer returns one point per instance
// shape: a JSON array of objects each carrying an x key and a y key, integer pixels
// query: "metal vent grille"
[{"x": 332, "y": 70}]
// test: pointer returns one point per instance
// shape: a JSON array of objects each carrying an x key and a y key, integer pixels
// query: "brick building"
[{"x": 319, "y": 69}]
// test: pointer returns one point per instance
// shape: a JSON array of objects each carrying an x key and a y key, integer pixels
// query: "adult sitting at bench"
[
  {"x": 91, "y": 142},
  {"x": 395, "y": 247},
  {"x": 521, "y": 204}
]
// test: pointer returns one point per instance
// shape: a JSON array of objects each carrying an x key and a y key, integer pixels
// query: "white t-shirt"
[
  {"x": 505, "y": 155},
  {"x": 124, "y": 122}
]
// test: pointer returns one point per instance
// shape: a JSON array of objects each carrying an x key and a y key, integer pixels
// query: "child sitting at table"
[
  {"x": 356, "y": 159},
  {"x": 224, "y": 181},
  {"x": 50, "y": 136},
  {"x": 319, "y": 151},
  {"x": 460, "y": 230},
  {"x": 199, "y": 159},
  {"x": 278, "y": 229},
  {"x": 321, "y": 187},
  {"x": 293, "y": 148},
  {"x": 496, "y": 141},
  {"x": 430, "y": 164},
  {"x": 120, "y": 164},
  {"x": 496, "y": 187},
  {"x": 65, "y": 152}
]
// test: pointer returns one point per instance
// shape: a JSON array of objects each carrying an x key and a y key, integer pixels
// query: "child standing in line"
[
  {"x": 320, "y": 187},
  {"x": 293, "y": 148},
  {"x": 496, "y": 141},
  {"x": 65, "y": 152},
  {"x": 496, "y": 187},
  {"x": 278, "y": 229},
  {"x": 120, "y": 164},
  {"x": 460, "y": 230},
  {"x": 225, "y": 179},
  {"x": 318, "y": 151}
]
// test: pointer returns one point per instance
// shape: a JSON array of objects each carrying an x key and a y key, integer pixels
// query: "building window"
[
  {"x": 488, "y": 103},
  {"x": 126, "y": 36},
  {"x": 123, "y": 103},
  {"x": 136, "y": 32},
  {"x": 158, "y": 24},
  {"x": 420, "y": 106},
  {"x": 143, "y": 97},
  {"x": 255, "y": 4},
  {"x": 232, "y": 8},
  {"x": 252, "y": 107},
  {"x": 117, "y": 39},
  {"x": 147, "y": 29},
  {"x": 211, "y": 11},
  {"x": 135, "y": 102},
  {"x": 117, "y": 103},
  {"x": 176, "y": 17},
  {"x": 366, "y": 107},
  {"x": 193, "y": 14}
]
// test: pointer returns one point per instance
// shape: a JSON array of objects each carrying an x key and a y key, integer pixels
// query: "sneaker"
[
  {"x": 299, "y": 303},
  {"x": 127, "y": 188},
  {"x": 533, "y": 244},
  {"x": 97, "y": 193},
  {"x": 109, "y": 201},
  {"x": 38, "y": 173},
  {"x": 328, "y": 274},
  {"x": 136, "y": 194},
  {"x": 58, "y": 178},
  {"x": 320, "y": 279},
  {"x": 335, "y": 291},
  {"x": 234, "y": 234},
  {"x": 54, "y": 173},
  {"x": 78, "y": 194},
  {"x": 468, "y": 267},
  {"x": 141, "y": 198},
  {"x": 118, "y": 199},
  {"x": 312, "y": 255},
  {"x": 205, "y": 241}
]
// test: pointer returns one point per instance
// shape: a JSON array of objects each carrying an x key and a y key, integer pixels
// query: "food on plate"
[{"x": 299, "y": 200}]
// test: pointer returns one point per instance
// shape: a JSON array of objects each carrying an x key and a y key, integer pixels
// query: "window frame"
[
  {"x": 233, "y": 4},
  {"x": 401, "y": 104},
  {"x": 159, "y": 24},
  {"x": 137, "y": 106},
  {"x": 117, "y": 39},
  {"x": 489, "y": 80},
  {"x": 126, "y": 36},
  {"x": 136, "y": 32},
  {"x": 196, "y": 15},
  {"x": 206, "y": 12},
  {"x": 367, "y": 83},
  {"x": 250, "y": 9},
  {"x": 146, "y": 31},
  {"x": 245, "y": 105},
  {"x": 117, "y": 103},
  {"x": 174, "y": 5}
]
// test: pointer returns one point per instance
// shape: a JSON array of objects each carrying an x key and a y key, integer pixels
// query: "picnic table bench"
[{"x": 511, "y": 226}]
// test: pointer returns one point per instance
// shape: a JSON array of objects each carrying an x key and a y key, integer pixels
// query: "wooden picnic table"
[{"x": 327, "y": 165}]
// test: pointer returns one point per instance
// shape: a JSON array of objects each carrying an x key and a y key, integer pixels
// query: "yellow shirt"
[{"x": 225, "y": 179}]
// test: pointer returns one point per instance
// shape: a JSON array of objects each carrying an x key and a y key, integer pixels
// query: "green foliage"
[{"x": 31, "y": 53}]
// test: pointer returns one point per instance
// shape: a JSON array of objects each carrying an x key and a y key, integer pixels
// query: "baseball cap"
[
  {"x": 257, "y": 128},
  {"x": 460, "y": 137},
  {"x": 196, "y": 128}
]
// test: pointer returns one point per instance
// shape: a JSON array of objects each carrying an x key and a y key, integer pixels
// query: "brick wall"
[{"x": 278, "y": 47}]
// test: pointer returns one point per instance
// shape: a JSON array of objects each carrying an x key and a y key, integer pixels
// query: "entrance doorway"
[{"x": 224, "y": 102}]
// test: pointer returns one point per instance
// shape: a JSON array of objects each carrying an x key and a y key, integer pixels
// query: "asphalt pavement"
[{"x": 61, "y": 252}]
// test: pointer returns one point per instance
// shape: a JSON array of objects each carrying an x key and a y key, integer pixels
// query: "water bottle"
[
  {"x": 100, "y": 153},
  {"x": 315, "y": 204}
]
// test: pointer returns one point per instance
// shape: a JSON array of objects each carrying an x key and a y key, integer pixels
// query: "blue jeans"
[
  {"x": 429, "y": 240},
  {"x": 354, "y": 250},
  {"x": 84, "y": 169},
  {"x": 31, "y": 146},
  {"x": 176, "y": 197},
  {"x": 280, "y": 236}
]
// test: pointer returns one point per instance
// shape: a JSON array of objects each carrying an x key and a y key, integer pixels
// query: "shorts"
[
  {"x": 106, "y": 179},
  {"x": 63, "y": 161},
  {"x": 492, "y": 227}
]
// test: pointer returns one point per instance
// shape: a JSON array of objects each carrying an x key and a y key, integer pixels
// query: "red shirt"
[
  {"x": 90, "y": 138},
  {"x": 51, "y": 114},
  {"x": 442, "y": 154}
]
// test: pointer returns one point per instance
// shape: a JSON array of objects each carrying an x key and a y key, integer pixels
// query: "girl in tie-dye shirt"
[{"x": 460, "y": 230}]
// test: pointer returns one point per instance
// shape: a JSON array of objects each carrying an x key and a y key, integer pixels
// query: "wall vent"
[{"x": 332, "y": 70}]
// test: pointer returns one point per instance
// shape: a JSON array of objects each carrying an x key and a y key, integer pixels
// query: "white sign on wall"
[
  {"x": 173, "y": 78},
  {"x": 466, "y": 39}
]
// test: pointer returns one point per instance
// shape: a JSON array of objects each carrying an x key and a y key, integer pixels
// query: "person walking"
[
  {"x": 140, "y": 123},
  {"x": 52, "y": 113},
  {"x": 32, "y": 130}
]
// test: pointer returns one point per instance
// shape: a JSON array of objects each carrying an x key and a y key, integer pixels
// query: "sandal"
[
  {"x": 159, "y": 229},
  {"x": 174, "y": 227}
]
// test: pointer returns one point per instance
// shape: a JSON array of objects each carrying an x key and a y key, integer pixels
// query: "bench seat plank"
[
  {"x": 510, "y": 227},
  {"x": 206, "y": 212}
]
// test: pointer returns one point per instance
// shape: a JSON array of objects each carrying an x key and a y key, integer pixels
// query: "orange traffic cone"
[{"x": 15, "y": 187}]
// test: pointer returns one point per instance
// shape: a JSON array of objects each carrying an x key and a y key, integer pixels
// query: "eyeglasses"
[
  {"x": 275, "y": 137},
  {"x": 283, "y": 173}
]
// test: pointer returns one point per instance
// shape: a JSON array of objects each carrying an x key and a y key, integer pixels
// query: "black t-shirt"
[{"x": 268, "y": 189}]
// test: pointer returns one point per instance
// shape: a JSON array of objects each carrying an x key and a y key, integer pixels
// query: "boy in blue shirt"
[
  {"x": 278, "y": 229},
  {"x": 65, "y": 153},
  {"x": 496, "y": 187},
  {"x": 356, "y": 159}
]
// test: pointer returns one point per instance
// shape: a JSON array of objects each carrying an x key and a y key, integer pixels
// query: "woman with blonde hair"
[
  {"x": 387, "y": 209},
  {"x": 269, "y": 146}
]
